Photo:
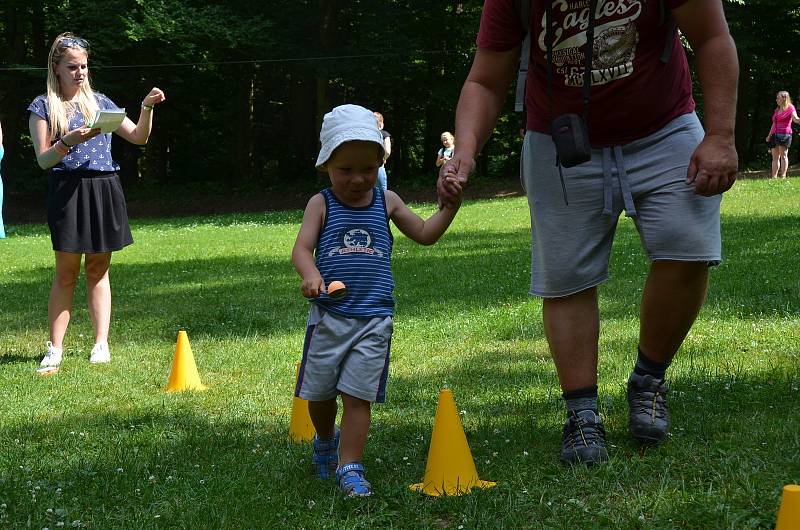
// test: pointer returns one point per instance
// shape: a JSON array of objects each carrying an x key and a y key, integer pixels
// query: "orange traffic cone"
[
  {"x": 300, "y": 429},
  {"x": 184, "y": 374},
  {"x": 450, "y": 469},
  {"x": 789, "y": 513}
]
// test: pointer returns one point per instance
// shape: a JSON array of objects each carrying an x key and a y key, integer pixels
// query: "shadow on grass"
[
  {"x": 170, "y": 464},
  {"x": 11, "y": 358},
  {"x": 238, "y": 296}
]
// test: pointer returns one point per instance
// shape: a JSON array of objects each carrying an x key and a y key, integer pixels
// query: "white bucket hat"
[{"x": 347, "y": 123}]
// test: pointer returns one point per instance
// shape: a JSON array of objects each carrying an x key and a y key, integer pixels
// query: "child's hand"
[
  {"x": 454, "y": 185},
  {"x": 312, "y": 287}
]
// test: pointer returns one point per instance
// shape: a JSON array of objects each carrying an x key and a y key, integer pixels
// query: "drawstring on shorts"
[{"x": 622, "y": 177}]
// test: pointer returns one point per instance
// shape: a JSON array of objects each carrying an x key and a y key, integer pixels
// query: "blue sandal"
[
  {"x": 326, "y": 456},
  {"x": 351, "y": 480}
]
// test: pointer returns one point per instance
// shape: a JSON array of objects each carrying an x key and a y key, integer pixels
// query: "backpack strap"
[
  {"x": 523, "y": 8},
  {"x": 665, "y": 17}
]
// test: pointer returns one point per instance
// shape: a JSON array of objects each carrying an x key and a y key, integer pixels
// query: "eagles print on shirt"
[
  {"x": 355, "y": 239},
  {"x": 615, "y": 39}
]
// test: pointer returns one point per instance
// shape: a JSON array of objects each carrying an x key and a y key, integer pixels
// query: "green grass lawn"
[{"x": 106, "y": 447}]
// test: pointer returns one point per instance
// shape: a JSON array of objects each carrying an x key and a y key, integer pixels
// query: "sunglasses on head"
[{"x": 74, "y": 42}]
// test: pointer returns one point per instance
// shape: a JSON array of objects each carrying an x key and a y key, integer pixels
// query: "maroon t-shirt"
[{"x": 633, "y": 93}]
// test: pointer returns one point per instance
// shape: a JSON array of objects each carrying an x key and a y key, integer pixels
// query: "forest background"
[{"x": 248, "y": 82}]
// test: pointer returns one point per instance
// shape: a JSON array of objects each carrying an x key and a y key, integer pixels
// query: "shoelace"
[
  {"x": 652, "y": 401},
  {"x": 594, "y": 432}
]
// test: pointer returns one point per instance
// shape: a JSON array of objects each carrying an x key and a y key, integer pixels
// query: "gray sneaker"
[
  {"x": 584, "y": 439},
  {"x": 649, "y": 417}
]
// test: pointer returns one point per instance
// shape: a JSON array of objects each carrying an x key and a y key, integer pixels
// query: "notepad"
[{"x": 107, "y": 120}]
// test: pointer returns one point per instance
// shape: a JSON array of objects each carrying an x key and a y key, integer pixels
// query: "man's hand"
[
  {"x": 713, "y": 166},
  {"x": 453, "y": 177}
]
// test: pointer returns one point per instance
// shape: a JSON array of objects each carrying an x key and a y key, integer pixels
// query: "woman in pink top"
[{"x": 780, "y": 135}]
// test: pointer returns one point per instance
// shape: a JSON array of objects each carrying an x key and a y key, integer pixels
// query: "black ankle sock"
[
  {"x": 647, "y": 366},
  {"x": 581, "y": 399}
]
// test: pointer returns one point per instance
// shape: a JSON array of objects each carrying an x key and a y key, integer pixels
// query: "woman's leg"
[
  {"x": 784, "y": 161},
  {"x": 98, "y": 293},
  {"x": 775, "y": 152},
  {"x": 59, "y": 307}
]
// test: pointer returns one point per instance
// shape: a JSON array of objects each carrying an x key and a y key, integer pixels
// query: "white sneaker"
[
  {"x": 51, "y": 359},
  {"x": 100, "y": 353}
]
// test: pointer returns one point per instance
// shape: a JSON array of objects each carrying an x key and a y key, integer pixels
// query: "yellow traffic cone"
[
  {"x": 789, "y": 513},
  {"x": 300, "y": 429},
  {"x": 450, "y": 469},
  {"x": 184, "y": 374}
]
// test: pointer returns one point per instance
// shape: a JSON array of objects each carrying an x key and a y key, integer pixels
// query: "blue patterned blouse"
[{"x": 91, "y": 155}]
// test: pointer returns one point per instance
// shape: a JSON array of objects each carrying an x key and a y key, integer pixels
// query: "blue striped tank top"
[{"x": 355, "y": 247}]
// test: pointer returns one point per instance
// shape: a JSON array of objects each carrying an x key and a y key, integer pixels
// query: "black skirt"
[{"x": 86, "y": 212}]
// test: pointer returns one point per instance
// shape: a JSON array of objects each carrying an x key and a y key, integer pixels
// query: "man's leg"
[
  {"x": 672, "y": 298},
  {"x": 572, "y": 326}
]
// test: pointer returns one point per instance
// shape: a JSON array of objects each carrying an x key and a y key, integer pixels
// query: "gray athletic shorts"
[
  {"x": 571, "y": 244},
  {"x": 343, "y": 354}
]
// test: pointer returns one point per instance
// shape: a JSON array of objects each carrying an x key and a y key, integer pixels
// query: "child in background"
[
  {"x": 345, "y": 236},
  {"x": 383, "y": 178},
  {"x": 448, "y": 147}
]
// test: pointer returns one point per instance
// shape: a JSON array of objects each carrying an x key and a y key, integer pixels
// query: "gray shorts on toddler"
[{"x": 344, "y": 354}]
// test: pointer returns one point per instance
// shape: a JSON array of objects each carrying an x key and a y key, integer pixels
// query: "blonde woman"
[
  {"x": 448, "y": 146},
  {"x": 780, "y": 135},
  {"x": 86, "y": 209}
]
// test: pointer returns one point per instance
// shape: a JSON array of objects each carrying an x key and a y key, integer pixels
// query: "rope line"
[{"x": 246, "y": 61}]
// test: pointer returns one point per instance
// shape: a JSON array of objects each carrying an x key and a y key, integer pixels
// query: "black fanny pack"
[{"x": 571, "y": 137}]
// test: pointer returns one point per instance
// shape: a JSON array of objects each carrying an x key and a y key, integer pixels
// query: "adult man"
[{"x": 649, "y": 156}]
